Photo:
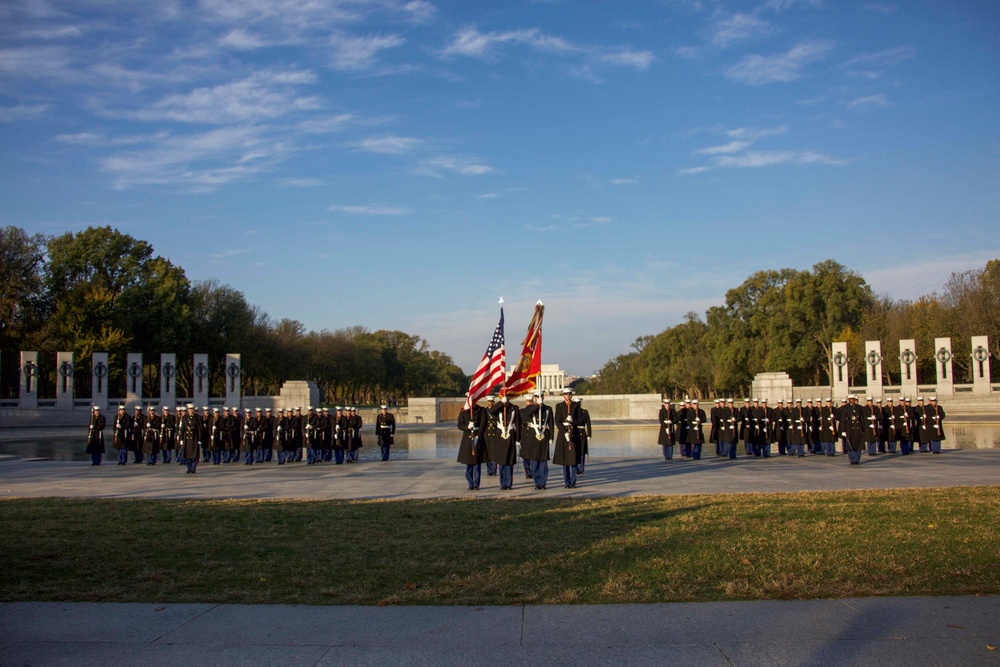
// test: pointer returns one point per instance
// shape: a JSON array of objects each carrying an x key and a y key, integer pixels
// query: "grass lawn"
[{"x": 611, "y": 550}]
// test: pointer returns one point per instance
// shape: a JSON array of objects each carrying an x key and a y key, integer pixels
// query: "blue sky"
[{"x": 403, "y": 164}]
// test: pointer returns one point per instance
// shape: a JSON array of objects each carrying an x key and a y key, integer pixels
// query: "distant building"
[{"x": 552, "y": 379}]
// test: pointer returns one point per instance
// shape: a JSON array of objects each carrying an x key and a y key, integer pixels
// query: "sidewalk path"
[
  {"x": 433, "y": 478},
  {"x": 877, "y": 632}
]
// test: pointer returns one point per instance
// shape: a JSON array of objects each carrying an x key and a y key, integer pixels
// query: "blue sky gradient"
[{"x": 403, "y": 164}]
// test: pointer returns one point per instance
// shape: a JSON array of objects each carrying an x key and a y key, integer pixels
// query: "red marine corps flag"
[
  {"x": 524, "y": 377},
  {"x": 492, "y": 368}
]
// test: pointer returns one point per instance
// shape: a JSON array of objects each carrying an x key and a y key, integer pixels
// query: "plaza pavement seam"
[
  {"x": 716, "y": 645},
  {"x": 175, "y": 629},
  {"x": 522, "y": 624}
]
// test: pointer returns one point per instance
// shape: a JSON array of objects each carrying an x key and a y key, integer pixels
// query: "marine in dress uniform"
[
  {"x": 492, "y": 432},
  {"x": 682, "y": 426},
  {"x": 585, "y": 432},
  {"x": 312, "y": 436},
  {"x": 168, "y": 434},
  {"x": 472, "y": 450},
  {"x": 340, "y": 441},
  {"x": 248, "y": 440},
  {"x": 667, "y": 438},
  {"x": 746, "y": 420},
  {"x": 95, "y": 436},
  {"x": 932, "y": 425},
  {"x": 385, "y": 430},
  {"x": 529, "y": 400},
  {"x": 503, "y": 445},
  {"x": 920, "y": 434},
  {"x": 190, "y": 433},
  {"x": 326, "y": 435},
  {"x": 796, "y": 429},
  {"x": 355, "y": 424},
  {"x": 889, "y": 426},
  {"x": 121, "y": 436},
  {"x": 903, "y": 425},
  {"x": 779, "y": 422},
  {"x": 726, "y": 429},
  {"x": 827, "y": 428},
  {"x": 138, "y": 434},
  {"x": 695, "y": 436},
  {"x": 536, "y": 436},
  {"x": 873, "y": 425},
  {"x": 151, "y": 438},
  {"x": 853, "y": 427},
  {"x": 567, "y": 443}
]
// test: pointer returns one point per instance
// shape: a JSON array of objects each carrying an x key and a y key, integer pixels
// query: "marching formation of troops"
[
  {"x": 227, "y": 436},
  {"x": 500, "y": 432},
  {"x": 796, "y": 428},
  {"x": 493, "y": 433}
]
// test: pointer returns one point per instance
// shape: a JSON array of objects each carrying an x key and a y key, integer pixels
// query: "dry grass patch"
[{"x": 611, "y": 550}]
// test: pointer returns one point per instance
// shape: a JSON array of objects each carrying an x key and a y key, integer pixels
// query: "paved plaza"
[
  {"x": 878, "y": 632},
  {"x": 436, "y": 478}
]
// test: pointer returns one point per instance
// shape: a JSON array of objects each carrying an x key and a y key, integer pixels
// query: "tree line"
[
  {"x": 100, "y": 290},
  {"x": 786, "y": 320}
]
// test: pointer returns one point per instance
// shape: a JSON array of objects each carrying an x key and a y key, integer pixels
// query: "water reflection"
[{"x": 618, "y": 441}]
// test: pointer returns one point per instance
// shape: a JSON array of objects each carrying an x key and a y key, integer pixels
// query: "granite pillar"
[
  {"x": 27, "y": 395},
  {"x": 873, "y": 367},
  {"x": 840, "y": 379},
  {"x": 64, "y": 380},
  {"x": 168, "y": 380},
  {"x": 200, "y": 380},
  {"x": 908, "y": 367},
  {"x": 943, "y": 364},
  {"x": 99, "y": 380},
  {"x": 133, "y": 380},
  {"x": 234, "y": 372},
  {"x": 981, "y": 365}
]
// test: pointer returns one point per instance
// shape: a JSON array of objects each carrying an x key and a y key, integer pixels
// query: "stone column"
[
  {"x": 168, "y": 380},
  {"x": 200, "y": 380},
  {"x": 943, "y": 363},
  {"x": 908, "y": 368},
  {"x": 981, "y": 365},
  {"x": 840, "y": 379},
  {"x": 64, "y": 380},
  {"x": 99, "y": 380},
  {"x": 234, "y": 372},
  {"x": 133, "y": 380},
  {"x": 873, "y": 367},
  {"x": 28, "y": 393}
]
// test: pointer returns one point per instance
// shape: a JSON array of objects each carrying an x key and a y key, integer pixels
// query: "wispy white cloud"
[
  {"x": 624, "y": 181},
  {"x": 200, "y": 162},
  {"x": 690, "y": 171},
  {"x": 328, "y": 124},
  {"x": 23, "y": 112},
  {"x": 781, "y": 5},
  {"x": 879, "y": 7},
  {"x": 883, "y": 58},
  {"x": 360, "y": 53},
  {"x": 263, "y": 95},
  {"x": 627, "y": 58},
  {"x": 242, "y": 40},
  {"x": 782, "y": 67},
  {"x": 728, "y": 29},
  {"x": 470, "y": 42},
  {"x": 388, "y": 144},
  {"x": 369, "y": 209},
  {"x": 731, "y": 147},
  {"x": 300, "y": 182},
  {"x": 866, "y": 102},
  {"x": 101, "y": 139},
  {"x": 489, "y": 195},
  {"x": 439, "y": 165},
  {"x": 773, "y": 158}
]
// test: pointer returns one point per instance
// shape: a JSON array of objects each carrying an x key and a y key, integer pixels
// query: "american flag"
[{"x": 490, "y": 372}]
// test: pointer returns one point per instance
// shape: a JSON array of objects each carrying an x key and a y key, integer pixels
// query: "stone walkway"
[
  {"x": 878, "y": 632},
  {"x": 422, "y": 479}
]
